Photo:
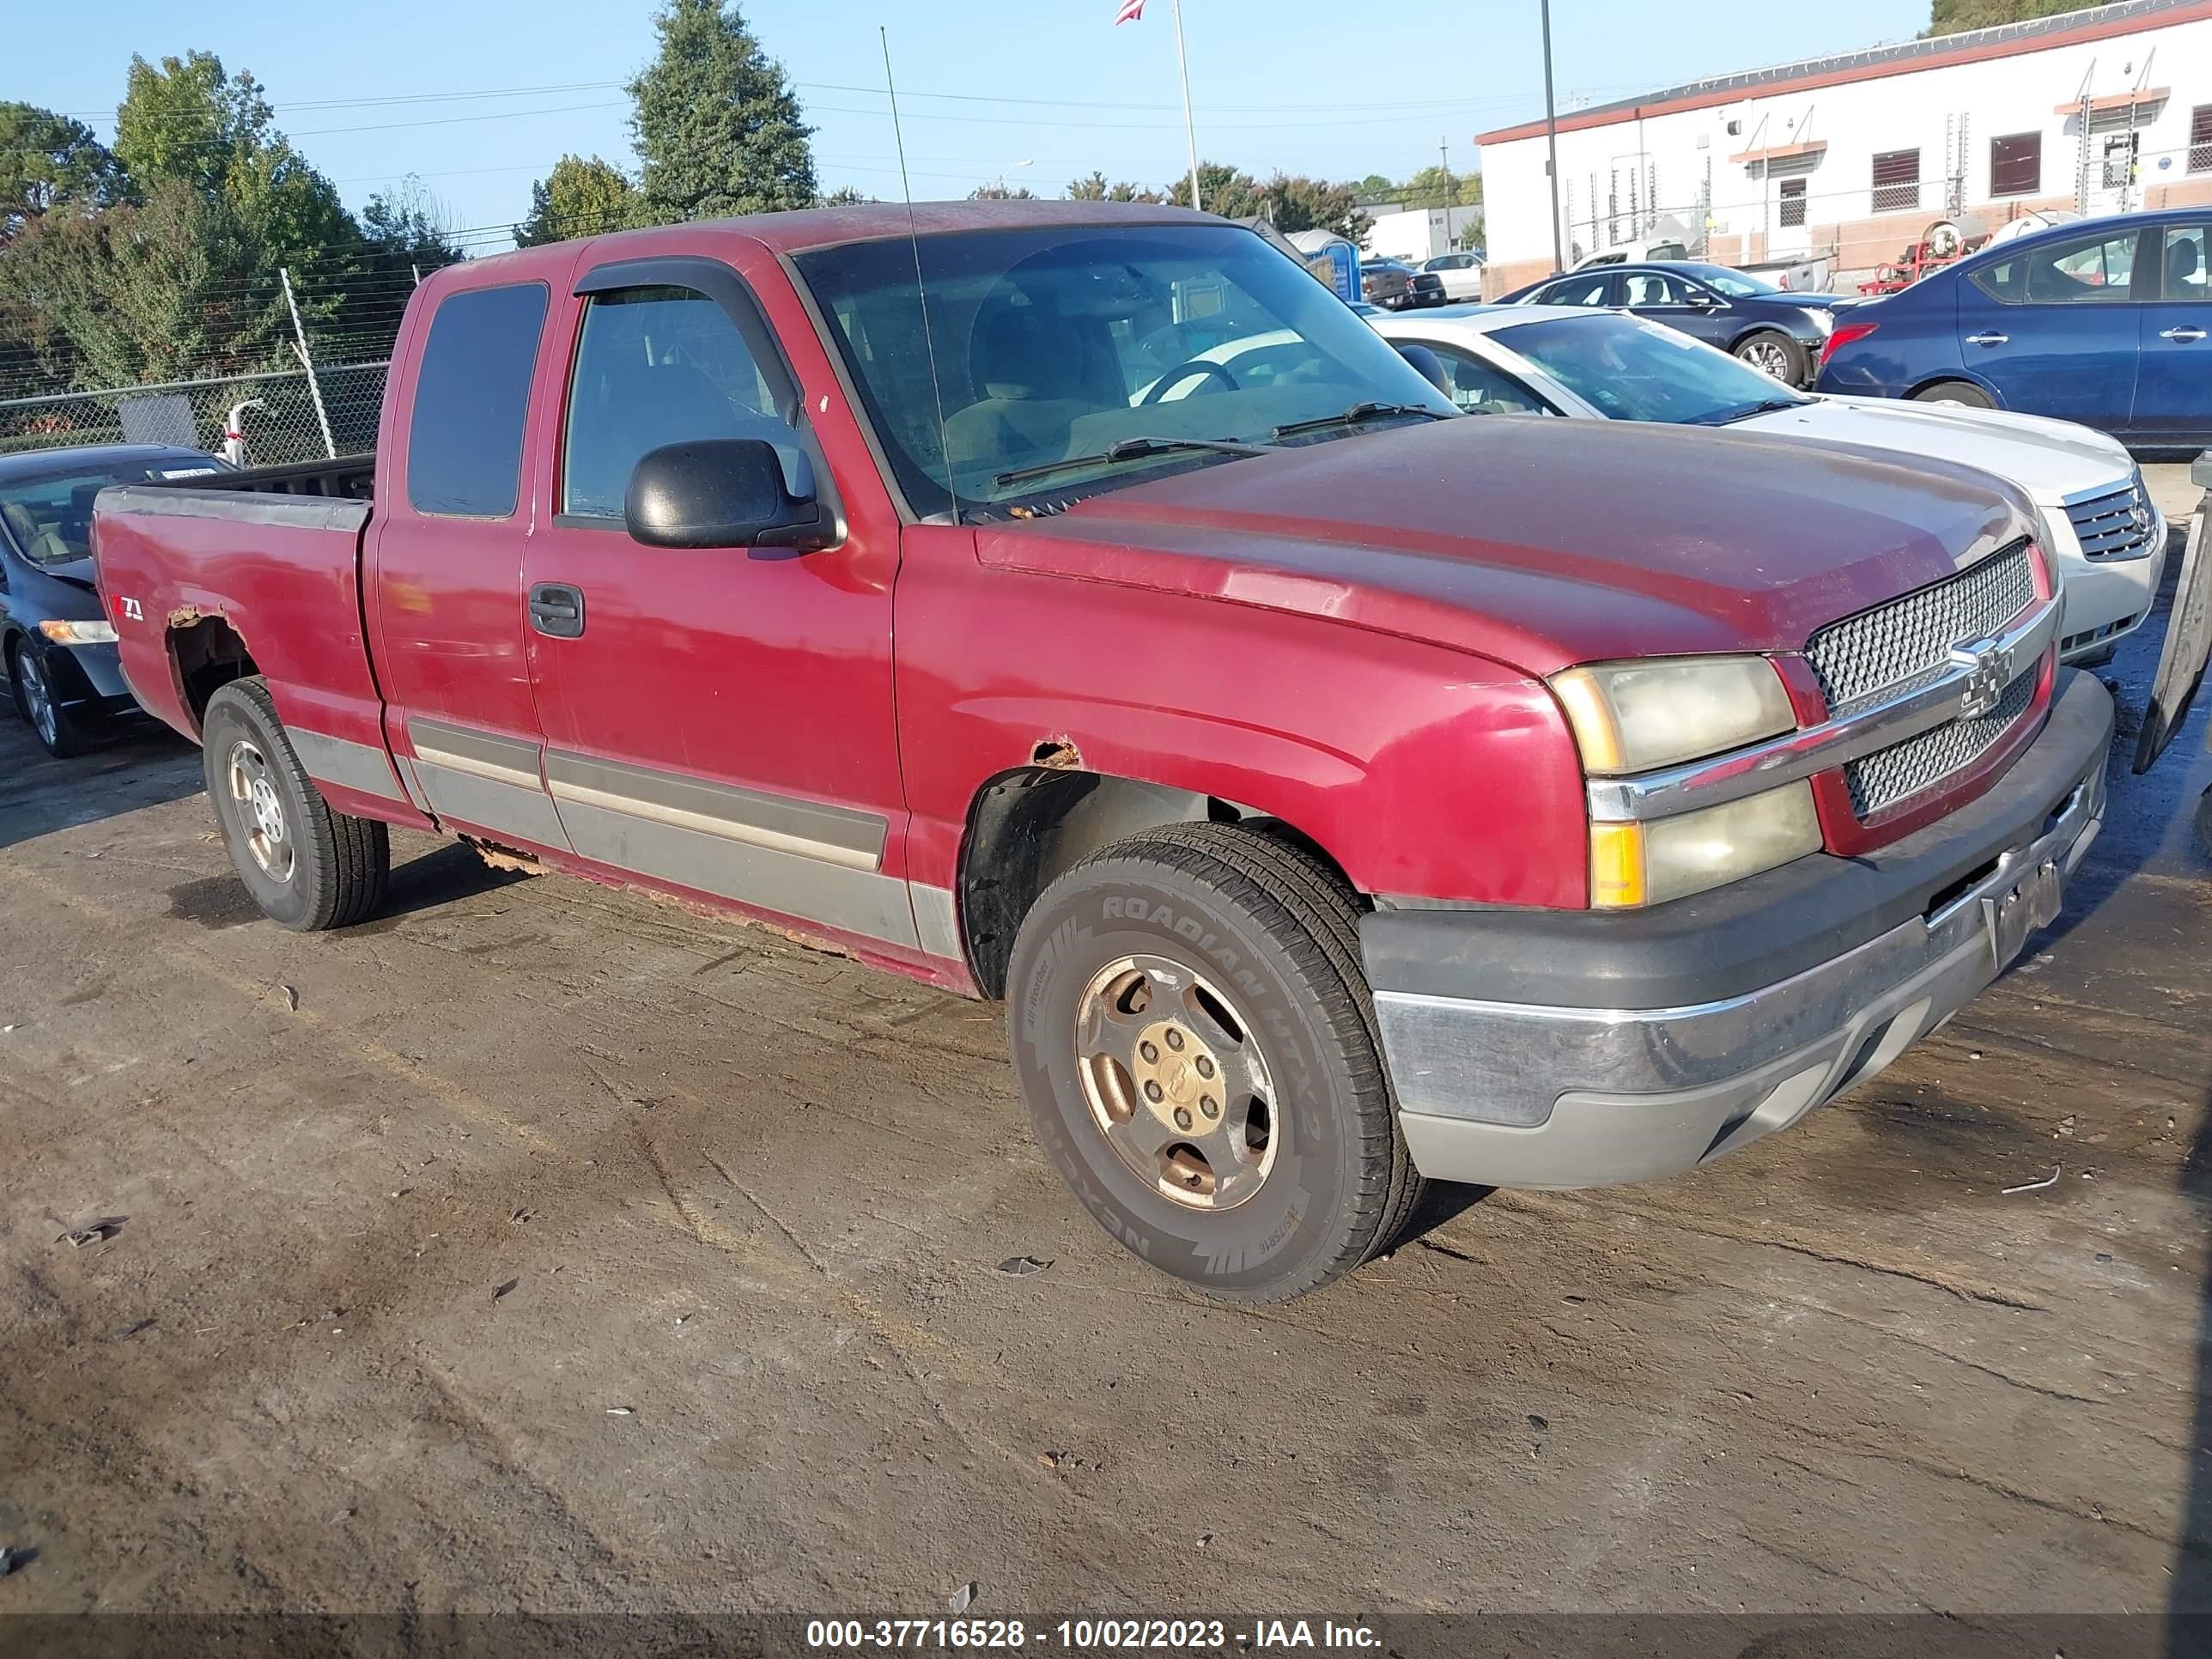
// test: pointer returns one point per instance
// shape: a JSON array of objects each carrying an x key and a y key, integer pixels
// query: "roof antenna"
[{"x": 914, "y": 236}]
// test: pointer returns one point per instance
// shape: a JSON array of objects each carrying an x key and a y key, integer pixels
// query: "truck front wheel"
[
  {"x": 307, "y": 866},
  {"x": 1196, "y": 1042}
]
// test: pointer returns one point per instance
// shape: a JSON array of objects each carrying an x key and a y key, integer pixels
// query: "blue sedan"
[
  {"x": 57, "y": 645},
  {"x": 2104, "y": 321}
]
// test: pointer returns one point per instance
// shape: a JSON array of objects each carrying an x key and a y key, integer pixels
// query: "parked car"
[
  {"x": 2098, "y": 520},
  {"x": 2104, "y": 321},
  {"x": 1781, "y": 334},
  {"x": 1461, "y": 274},
  {"x": 1331, "y": 808},
  {"x": 1397, "y": 287},
  {"x": 55, "y": 641}
]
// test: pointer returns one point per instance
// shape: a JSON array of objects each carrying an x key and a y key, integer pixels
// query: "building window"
[
  {"x": 2200, "y": 139},
  {"x": 2016, "y": 164},
  {"x": 1897, "y": 181},
  {"x": 1793, "y": 204}
]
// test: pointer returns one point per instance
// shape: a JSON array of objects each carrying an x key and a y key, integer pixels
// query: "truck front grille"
[
  {"x": 1904, "y": 769},
  {"x": 1909, "y": 638},
  {"x": 2116, "y": 525},
  {"x": 1889, "y": 648}
]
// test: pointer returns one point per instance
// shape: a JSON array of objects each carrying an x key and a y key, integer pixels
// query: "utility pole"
[
  {"x": 1451, "y": 184},
  {"x": 1551, "y": 141}
]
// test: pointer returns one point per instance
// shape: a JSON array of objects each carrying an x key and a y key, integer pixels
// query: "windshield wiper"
[
  {"x": 1745, "y": 411},
  {"x": 1357, "y": 413},
  {"x": 1129, "y": 449}
]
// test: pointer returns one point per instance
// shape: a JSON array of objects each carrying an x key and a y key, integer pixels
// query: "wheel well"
[
  {"x": 1028, "y": 825},
  {"x": 209, "y": 654},
  {"x": 1949, "y": 377}
]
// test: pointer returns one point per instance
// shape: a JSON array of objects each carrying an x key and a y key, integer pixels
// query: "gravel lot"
[{"x": 537, "y": 1247}]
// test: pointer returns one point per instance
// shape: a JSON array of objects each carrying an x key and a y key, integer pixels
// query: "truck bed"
[{"x": 254, "y": 572}]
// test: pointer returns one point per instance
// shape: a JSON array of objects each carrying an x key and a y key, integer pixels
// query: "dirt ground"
[{"x": 537, "y": 1247}]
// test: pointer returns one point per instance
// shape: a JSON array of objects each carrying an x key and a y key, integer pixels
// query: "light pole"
[
  {"x": 1551, "y": 139},
  {"x": 1011, "y": 166}
]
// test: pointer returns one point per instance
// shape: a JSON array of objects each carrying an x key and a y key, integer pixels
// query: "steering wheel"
[{"x": 1182, "y": 371}]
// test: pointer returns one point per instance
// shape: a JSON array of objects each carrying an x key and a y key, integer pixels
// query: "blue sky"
[{"x": 372, "y": 93}]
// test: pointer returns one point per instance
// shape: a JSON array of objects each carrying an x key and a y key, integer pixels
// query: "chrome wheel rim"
[
  {"x": 260, "y": 810},
  {"x": 1768, "y": 357},
  {"x": 37, "y": 698},
  {"x": 1176, "y": 1083}
]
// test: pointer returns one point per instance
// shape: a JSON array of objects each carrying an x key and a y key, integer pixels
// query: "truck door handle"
[
  {"x": 557, "y": 609},
  {"x": 1987, "y": 339},
  {"x": 2183, "y": 334}
]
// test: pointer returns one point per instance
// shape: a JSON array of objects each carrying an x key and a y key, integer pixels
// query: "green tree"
[
  {"x": 1436, "y": 187},
  {"x": 718, "y": 128},
  {"x": 845, "y": 196},
  {"x": 1095, "y": 189},
  {"x": 46, "y": 160},
  {"x": 1951, "y": 17},
  {"x": 169, "y": 287},
  {"x": 1002, "y": 192},
  {"x": 579, "y": 198},
  {"x": 185, "y": 120},
  {"x": 1290, "y": 202}
]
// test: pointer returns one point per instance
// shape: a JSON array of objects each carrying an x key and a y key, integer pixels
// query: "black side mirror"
[
  {"x": 1431, "y": 366},
  {"x": 720, "y": 492}
]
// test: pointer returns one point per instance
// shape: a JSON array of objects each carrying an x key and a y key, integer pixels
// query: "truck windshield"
[
  {"x": 1638, "y": 371},
  {"x": 49, "y": 514},
  {"x": 1054, "y": 343}
]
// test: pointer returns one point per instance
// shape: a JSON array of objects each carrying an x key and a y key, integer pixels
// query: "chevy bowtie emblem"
[{"x": 1991, "y": 672}]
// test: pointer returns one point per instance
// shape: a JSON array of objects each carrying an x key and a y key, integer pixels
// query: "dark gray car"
[
  {"x": 57, "y": 645},
  {"x": 1769, "y": 328}
]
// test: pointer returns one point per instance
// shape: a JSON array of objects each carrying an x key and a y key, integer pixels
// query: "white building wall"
[
  {"x": 1616, "y": 177},
  {"x": 1416, "y": 233}
]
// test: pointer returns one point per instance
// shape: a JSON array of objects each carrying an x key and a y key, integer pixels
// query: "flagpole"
[{"x": 1189, "y": 129}]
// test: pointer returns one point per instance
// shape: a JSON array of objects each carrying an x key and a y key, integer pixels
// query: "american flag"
[{"x": 1130, "y": 12}]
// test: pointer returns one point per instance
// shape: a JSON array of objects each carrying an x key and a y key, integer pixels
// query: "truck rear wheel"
[
  {"x": 307, "y": 866},
  {"x": 1196, "y": 1042}
]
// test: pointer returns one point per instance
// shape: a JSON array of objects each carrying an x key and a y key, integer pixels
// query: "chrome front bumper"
[{"x": 1516, "y": 1094}]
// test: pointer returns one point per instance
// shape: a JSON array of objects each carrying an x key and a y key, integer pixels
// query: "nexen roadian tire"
[
  {"x": 306, "y": 865},
  {"x": 1196, "y": 1043}
]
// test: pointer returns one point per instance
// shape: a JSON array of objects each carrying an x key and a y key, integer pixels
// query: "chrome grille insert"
[
  {"x": 2114, "y": 525},
  {"x": 1910, "y": 638},
  {"x": 1904, "y": 769}
]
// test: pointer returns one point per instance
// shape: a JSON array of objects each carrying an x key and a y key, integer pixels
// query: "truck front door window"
[
  {"x": 464, "y": 434},
  {"x": 656, "y": 366}
]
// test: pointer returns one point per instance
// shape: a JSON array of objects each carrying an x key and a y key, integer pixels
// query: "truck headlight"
[
  {"x": 79, "y": 632},
  {"x": 1648, "y": 863},
  {"x": 1631, "y": 717}
]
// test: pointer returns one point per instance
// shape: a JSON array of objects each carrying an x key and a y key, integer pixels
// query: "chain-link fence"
[{"x": 277, "y": 418}]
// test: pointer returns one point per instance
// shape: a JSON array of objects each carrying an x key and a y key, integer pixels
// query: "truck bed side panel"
[{"x": 281, "y": 571}]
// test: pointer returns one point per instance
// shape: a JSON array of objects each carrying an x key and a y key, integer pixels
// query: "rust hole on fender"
[{"x": 1059, "y": 754}]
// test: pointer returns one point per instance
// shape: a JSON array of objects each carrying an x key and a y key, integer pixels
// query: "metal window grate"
[
  {"x": 1897, "y": 181},
  {"x": 1909, "y": 638},
  {"x": 2200, "y": 139},
  {"x": 2113, "y": 527},
  {"x": 1904, "y": 769}
]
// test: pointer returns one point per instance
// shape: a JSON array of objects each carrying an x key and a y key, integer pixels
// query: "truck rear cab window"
[
  {"x": 464, "y": 436},
  {"x": 659, "y": 365}
]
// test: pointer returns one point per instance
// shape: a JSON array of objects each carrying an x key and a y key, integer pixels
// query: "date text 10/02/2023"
[{"x": 1092, "y": 1635}]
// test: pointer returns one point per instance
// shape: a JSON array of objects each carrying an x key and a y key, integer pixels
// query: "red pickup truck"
[{"x": 1338, "y": 792}]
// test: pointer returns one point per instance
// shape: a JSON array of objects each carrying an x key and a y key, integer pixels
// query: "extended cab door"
[
  {"x": 2053, "y": 327},
  {"x": 444, "y": 587},
  {"x": 717, "y": 719}
]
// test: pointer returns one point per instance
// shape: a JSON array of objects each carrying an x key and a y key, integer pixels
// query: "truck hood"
[
  {"x": 1539, "y": 543},
  {"x": 2049, "y": 459}
]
